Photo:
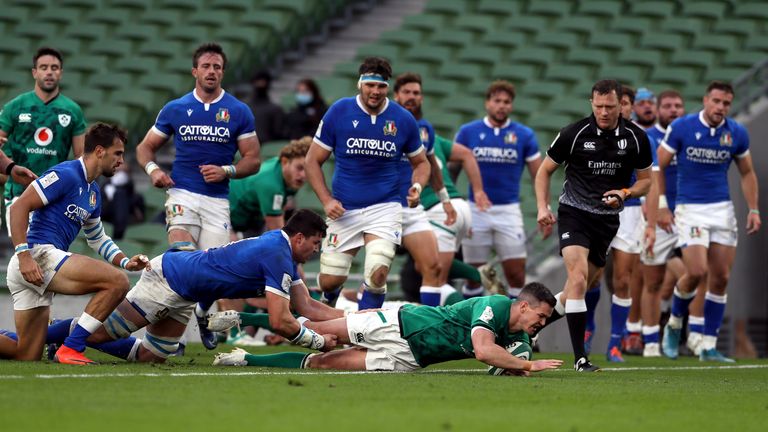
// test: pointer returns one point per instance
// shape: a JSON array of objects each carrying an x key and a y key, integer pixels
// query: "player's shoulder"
[
  {"x": 522, "y": 129},
  {"x": 68, "y": 103},
  {"x": 735, "y": 126},
  {"x": 686, "y": 121},
  {"x": 232, "y": 102},
  {"x": 422, "y": 122},
  {"x": 180, "y": 102},
  {"x": 26, "y": 98},
  {"x": 474, "y": 124},
  {"x": 343, "y": 105}
]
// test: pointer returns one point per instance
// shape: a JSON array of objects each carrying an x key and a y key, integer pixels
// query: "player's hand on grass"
[
  {"x": 753, "y": 223},
  {"x": 160, "y": 179},
  {"x": 450, "y": 213},
  {"x": 481, "y": 201},
  {"x": 213, "y": 173},
  {"x": 540, "y": 365},
  {"x": 331, "y": 340},
  {"x": 515, "y": 372},
  {"x": 665, "y": 220},
  {"x": 29, "y": 269},
  {"x": 137, "y": 263},
  {"x": 22, "y": 175},
  {"x": 333, "y": 209}
]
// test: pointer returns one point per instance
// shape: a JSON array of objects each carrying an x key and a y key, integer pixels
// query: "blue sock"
[
  {"x": 469, "y": 293},
  {"x": 429, "y": 296},
  {"x": 680, "y": 302},
  {"x": 118, "y": 348},
  {"x": 9, "y": 334},
  {"x": 619, "y": 314},
  {"x": 373, "y": 301},
  {"x": 651, "y": 334},
  {"x": 58, "y": 331},
  {"x": 76, "y": 339},
  {"x": 714, "y": 309},
  {"x": 696, "y": 324},
  {"x": 331, "y": 296},
  {"x": 592, "y": 298}
]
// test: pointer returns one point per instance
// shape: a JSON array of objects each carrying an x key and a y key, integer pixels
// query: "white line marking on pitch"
[{"x": 305, "y": 372}]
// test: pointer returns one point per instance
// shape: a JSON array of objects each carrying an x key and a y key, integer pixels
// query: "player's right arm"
[
  {"x": 488, "y": 352},
  {"x": 29, "y": 201},
  {"x": 541, "y": 187},
  {"x": 283, "y": 323},
  {"x": 145, "y": 154},
  {"x": 313, "y": 162},
  {"x": 460, "y": 153}
]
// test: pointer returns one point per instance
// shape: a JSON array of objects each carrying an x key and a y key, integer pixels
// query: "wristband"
[
  {"x": 754, "y": 211},
  {"x": 417, "y": 186},
  {"x": 663, "y": 202},
  {"x": 443, "y": 194},
  {"x": 124, "y": 263},
  {"x": 9, "y": 168},
  {"x": 308, "y": 339},
  {"x": 627, "y": 193},
  {"x": 229, "y": 170},
  {"x": 21, "y": 247},
  {"x": 151, "y": 166}
]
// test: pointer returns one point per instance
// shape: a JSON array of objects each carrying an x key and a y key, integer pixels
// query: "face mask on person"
[{"x": 303, "y": 98}]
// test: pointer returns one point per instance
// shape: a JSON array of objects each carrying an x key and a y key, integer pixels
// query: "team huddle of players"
[{"x": 390, "y": 187}]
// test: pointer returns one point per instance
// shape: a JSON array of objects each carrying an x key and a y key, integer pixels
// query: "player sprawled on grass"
[
  {"x": 414, "y": 337},
  {"x": 65, "y": 199},
  {"x": 164, "y": 299}
]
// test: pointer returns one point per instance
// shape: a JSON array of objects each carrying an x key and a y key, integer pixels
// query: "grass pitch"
[{"x": 188, "y": 394}]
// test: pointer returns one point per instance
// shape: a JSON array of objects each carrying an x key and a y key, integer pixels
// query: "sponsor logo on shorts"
[
  {"x": 333, "y": 239},
  {"x": 390, "y": 128},
  {"x": 161, "y": 314},
  {"x": 565, "y": 236},
  {"x": 359, "y": 337},
  {"x": 174, "y": 210},
  {"x": 695, "y": 232}
]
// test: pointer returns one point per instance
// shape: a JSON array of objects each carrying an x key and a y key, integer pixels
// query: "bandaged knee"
[
  {"x": 335, "y": 263},
  {"x": 160, "y": 346},
  {"x": 118, "y": 327},
  {"x": 378, "y": 253}
]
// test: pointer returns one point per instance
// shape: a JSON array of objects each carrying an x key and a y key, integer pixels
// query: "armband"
[
  {"x": 229, "y": 170},
  {"x": 663, "y": 202},
  {"x": 151, "y": 166},
  {"x": 308, "y": 339},
  {"x": 21, "y": 247},
  {"x": 9, "y": 168},
  {"x": 444, "y": 196},
  {"x": 754, "y": 211},
  {"x": 124, "y": 263},
  {"x": 418, "y": 187},
  {"x": 627, "y": 193}
]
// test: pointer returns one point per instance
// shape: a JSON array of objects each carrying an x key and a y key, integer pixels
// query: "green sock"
[
  {"x": 233, "y": 332},
  {"x": 255, "y": 319},
  {"x": 462, "y": 270},
  {"x": 288, "y": 360}
]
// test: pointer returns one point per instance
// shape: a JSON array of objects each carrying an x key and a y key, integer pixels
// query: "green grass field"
[{"x": 189, "y": 394}]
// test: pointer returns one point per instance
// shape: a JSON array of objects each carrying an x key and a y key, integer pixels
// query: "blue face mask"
[{"x": 304, "y": 98}]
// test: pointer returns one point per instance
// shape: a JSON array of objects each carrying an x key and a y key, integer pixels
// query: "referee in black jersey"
[{"x": 599, "y": 153}]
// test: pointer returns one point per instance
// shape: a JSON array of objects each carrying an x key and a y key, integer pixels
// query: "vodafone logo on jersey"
[{"x": 43, "y": 136}]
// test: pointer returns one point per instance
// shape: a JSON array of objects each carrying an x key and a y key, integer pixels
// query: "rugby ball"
[{"x": 518, "y": 349}]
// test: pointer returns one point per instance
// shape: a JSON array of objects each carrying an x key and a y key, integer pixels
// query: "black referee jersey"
[{"x": 597, "y": 161}]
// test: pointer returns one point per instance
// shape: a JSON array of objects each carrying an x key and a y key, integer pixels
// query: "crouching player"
[
  {"x": 415, "y": 337},
  {"x": 164, "y": 298}
]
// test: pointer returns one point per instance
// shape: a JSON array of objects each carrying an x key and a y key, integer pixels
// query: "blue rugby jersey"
[
  {"x": 204, "y": 134},
  {"x": 502, "y": 154},
  {"x": 368, "y": 149},
  {"x": 242, "y": 269},
  {"x": 704, "y": 155},
  {"x": 69, "y": 201}
]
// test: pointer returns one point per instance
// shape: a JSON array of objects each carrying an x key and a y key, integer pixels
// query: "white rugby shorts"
[
  {"x": 702, "y": 224},
  {"x": 379, "y": 333},
  {"x": 629, "y": 237},
  {"x": 500, "y": 227},
  {"x": 347, "y": 232},
  {"x": 156, "y": 299},
  {"x": 449, "y": 237},
  {"x": 27, "y": 295}
]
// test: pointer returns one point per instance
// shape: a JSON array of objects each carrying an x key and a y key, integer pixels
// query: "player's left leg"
[
  {"x": 509, "y": 242},
  {"x": 83, "y": 275},
  {"x": 720, "y": 260},
  {"x": 422, "y": 246},
  {"x": 623, "y": 263},
  {"x": 30, "y": 330}
]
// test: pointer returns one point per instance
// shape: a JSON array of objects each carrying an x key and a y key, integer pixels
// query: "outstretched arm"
[
  {"x": 486, "y": 351},
  {"x": 306, "y": 306}
]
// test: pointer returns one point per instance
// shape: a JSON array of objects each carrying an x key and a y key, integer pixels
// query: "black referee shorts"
[{"x": 593, "y": 231}]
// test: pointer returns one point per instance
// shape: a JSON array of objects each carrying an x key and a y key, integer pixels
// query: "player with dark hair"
[
  {"x": 65, "y": 200},
  {"x": 601, "y": 152},
  {"x": 38, "y": 128},
  {"x": 503, "y": 149},
  {"x": 705, "y": 144},
  {"x": 368, "y": 136},
  {"x": 414, "y": 337},
  {"x": 209, "y": 126}
]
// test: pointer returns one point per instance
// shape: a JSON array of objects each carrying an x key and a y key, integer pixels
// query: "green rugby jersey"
[
  {"x": 443, "y": 148},
  {"x": 259, "y": 195},
  {"x": 444, "y": 333},
  {"x": 39, "y": 134}
]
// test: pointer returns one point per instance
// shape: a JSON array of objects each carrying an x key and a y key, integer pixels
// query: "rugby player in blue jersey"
[
  {"x": 65, "y": 199},
  {"x": 503, "y": 150},
  {"x": 705, "y": 144},
  {"x": 164, "y": 299},
  {"x": 368, "y": 135},
  {"x": 208, "y": 126}
]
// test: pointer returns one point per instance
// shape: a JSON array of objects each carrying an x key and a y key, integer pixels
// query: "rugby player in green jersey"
[
  {"x": 38, "y": 128},
  {"x": 414, "y": 337}
]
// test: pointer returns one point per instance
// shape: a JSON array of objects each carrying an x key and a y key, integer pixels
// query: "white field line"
[{"x": 226, "y": 373}]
